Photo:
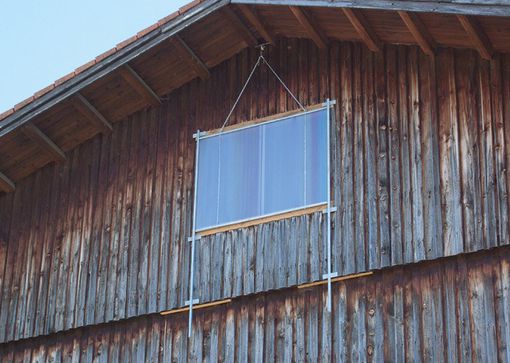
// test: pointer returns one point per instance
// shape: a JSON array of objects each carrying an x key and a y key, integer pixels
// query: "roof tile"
[
  {"x": 147, "y": 30},
  {"x": 167, "y": 18},
  {"x": 7, "y": 113},
  {"x": 85, "y": 66},
  {"x": 23, "y": 103},
  {"x": 66, "y": 78},
  {"x": 104, "y": 55},
  {"x": 125, "y": 42},
  {"x": 188, "y": 6},
  {"x": 44, "y": 91}
]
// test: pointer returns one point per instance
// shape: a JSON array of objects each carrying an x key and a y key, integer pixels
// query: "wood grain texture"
[
  {"x": 434, "y": 311},
  {"x": 419, "y": 160}
]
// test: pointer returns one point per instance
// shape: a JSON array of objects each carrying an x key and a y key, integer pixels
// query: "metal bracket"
[
  {"x": 331, "y": 103},
  {"x": 331, "y": 275},
  {"x": 199, "y": 134},
  {"x": 332, "y": 210},
  {"x": 197, "y": 238},
  {"x": 195, "y": 301}
]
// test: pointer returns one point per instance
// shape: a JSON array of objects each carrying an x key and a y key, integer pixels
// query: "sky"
[{"x": 43, "y": 40}]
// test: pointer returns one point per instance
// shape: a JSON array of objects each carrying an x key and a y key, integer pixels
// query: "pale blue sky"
[{"x": 43, "y": 40}]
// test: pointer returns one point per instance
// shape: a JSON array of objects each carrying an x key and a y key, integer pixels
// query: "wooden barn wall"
[
  {"x": 443, "y": 311},
  {"x": 419, "y": 157}
]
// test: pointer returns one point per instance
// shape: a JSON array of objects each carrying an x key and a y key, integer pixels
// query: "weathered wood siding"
[
  {"x": 450, "y": 310},
  {"x": 419, "y": 157}
]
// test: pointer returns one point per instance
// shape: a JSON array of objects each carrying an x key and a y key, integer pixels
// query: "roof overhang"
[{"x": 483, "y": 7}]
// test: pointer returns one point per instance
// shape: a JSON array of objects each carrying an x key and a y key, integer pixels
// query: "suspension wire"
[{"x": 258, "y": 63}]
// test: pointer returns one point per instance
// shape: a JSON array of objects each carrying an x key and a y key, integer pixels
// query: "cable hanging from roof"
[{"x": 261, "y": 60}]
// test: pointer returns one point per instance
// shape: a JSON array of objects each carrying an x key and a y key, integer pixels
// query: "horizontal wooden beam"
[
  {"x": 310, "y": 27},
  {"x": 364, "y": 30},
  {"x": 196, "y": 307},
  {"x": 419, "y": 32},
  {"x": 477, "y": 36},
  {"x": 44, "y": 142},
  {"x": 239, "y": 26},
  {"x": 336, "y": 279},
  {"x": 83, "y": 106},
  {"x": 139, "y": 85},
  {"x": 251, "y": 15},
  {"x": 188, "y": 56},
  {"x": 6, "y": 184}
]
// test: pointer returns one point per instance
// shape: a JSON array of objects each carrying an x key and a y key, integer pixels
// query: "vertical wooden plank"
[
  {"x": 6, "y": 256},
  {"x": 412, "y": 321},
  {"x": 502, "y": 308},
  {"x": 450, "y": 321},
  {"x": 432, "y": 310},
  {"x": 462, "y": 308},
  {"x": 164, "y": 183},
  {"x": 145, "y": 212},
  {"x": 500, "y": 148},
  {"x": 29, "y": 291},
  {"x": 372, "y": 238},
  {"x": 159, "y": 241},
  {"x": 405, "y": 156},
  {"x": 138, "y": 141},
  {"x": 481, "y": 309},
  {"x": 125, "y": 190},
  {"x": 77, "y": 248},
  {"x": 177, "y": 269},
  {"x": 468, "y": 147},
  {"x": 58, "y": 247},
  {"x": 394, "y": 157},
  {"x": 505, "y": 175},
  {"x": 449, "y": 153},
  {"x": 104, "y": 275},
  {"x": 340, "y": 326},
  {"x": 88, "y": 233},
  {"x": 359, "y": 243},
  {"x": 433, "y": 243},
  {"x": 20, "y": 236},
  {"x": 488, "y": 151},
  {"x": 383, "y": 182},
  {"x": 112, "y": 168},
  {"x": 346, "y": 206}
]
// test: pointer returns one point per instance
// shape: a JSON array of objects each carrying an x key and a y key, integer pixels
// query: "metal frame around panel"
[{"x": 201, "y": 135}]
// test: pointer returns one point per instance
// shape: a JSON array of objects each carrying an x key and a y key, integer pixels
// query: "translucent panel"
[
  {"x": 263, "y": 169},
  {"x": 239, "y": 175},
  {"x": 284, "y": 165},
  {"x": 316, "y": 158},
  {"x": 207, "y": 194}
]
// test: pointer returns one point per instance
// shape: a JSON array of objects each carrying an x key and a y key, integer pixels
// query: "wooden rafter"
[
  {"x": 83, "y": 106},
  {"x": 139, "y": 85},
  {"x": 239, "y": 26},
  {"x": 188, "y": 56},
  {"x": 309, "y": 25},
  {"x": 363, "y": 28},
  {"x": 419, "y": 32},
  {"x": 6, "y": 184},
  {"x": 44, "y": 142},
  {"x": 477, "y": 35},
  {"x": 251, "y": 15}
]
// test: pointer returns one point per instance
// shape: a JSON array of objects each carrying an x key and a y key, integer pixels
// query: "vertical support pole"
[
  {"x": 193, "y": 235},
  {"x": 328, "y": 186}
]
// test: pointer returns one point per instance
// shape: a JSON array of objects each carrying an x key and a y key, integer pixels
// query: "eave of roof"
[
  {"x": 466, "y": 7},
  {"x": 108, "y": 62}
]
